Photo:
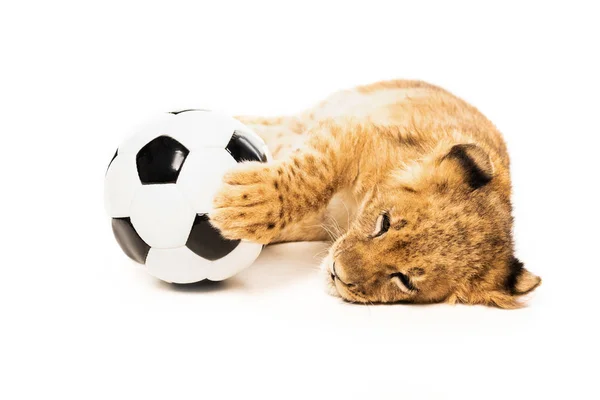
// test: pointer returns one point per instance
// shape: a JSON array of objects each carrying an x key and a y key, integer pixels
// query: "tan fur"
[{"x": 427, "y": 159}]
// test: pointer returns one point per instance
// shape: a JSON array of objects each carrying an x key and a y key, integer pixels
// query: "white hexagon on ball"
[
  {"x": 202, "y": 175},
  {"x": 202, "y": 129},
  {"x": 178, "y": 265},
  {"x": 240, "y": 258},
  {"x": 161, "y": 216},
  {"x": 120, "y": 184}
]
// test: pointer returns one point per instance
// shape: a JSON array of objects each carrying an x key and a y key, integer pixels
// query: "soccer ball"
[{"x": 159, "y": 188}]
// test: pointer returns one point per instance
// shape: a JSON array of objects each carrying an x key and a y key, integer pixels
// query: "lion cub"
[{"x": 412, "y": 180}]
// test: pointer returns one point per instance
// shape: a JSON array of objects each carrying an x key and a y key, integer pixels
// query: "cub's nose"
[{"x": 339, "y": 275}]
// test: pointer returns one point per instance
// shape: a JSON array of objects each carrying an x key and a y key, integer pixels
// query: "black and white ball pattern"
[{"x": 159, "y": 188}]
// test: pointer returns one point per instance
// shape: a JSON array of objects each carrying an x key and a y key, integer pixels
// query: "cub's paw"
[{"x": 249, "y": 205}]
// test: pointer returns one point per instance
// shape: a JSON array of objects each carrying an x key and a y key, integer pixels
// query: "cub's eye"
[
  {"x": 382, "y": 225},
  {"x": 403, "y": 282}
]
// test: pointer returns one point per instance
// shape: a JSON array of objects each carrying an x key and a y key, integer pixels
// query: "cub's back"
[{"x": 410, "y": 109}]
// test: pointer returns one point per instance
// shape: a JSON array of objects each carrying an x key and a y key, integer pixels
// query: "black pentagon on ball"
[
  {"x": 206, "y": 241},
  {"x": 160, "y": 161},
  {"x": 244, "y": 148},
  {"x": 131, "y": 243}
]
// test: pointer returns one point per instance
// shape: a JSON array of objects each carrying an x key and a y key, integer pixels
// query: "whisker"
[
  {"x": 334, "y": 226},
  {"x": 329, "y": 232},
  {"x": 332, "y": 234},
  {"x": 322, "y": 252},
  {"x": 322, "y": 226},
  {"x": 337, "y": 224},
  {"x": 347, "y": 215}
]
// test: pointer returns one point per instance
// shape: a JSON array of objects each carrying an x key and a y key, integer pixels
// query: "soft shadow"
[
  {"x": 204, "y": 286},
  {"x": 277, "y": 266},
  {"x": 284, "y": 264}
]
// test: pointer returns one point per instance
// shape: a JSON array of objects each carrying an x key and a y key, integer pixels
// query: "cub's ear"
[
  {"x": 469, "y": 163},
  {"x": 504, "y": 294},
  {"x": 519, "y": 280}
]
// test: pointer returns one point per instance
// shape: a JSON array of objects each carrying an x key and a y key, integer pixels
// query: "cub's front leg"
[{"x": 258, "y": 201}]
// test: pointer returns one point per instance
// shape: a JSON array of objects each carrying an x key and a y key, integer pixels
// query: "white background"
[{"x": 81, "y": 321}]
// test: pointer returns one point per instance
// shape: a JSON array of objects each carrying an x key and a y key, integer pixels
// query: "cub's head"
[{"x": 439, "y": 230}]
